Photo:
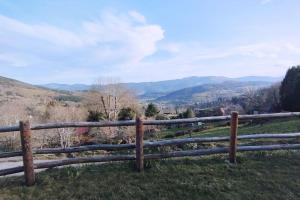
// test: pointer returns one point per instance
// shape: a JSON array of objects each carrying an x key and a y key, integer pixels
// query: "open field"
[{"x": 261, "y": 175}]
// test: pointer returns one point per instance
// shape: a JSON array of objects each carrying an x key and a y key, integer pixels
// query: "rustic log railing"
[{"x": 27, "y": 151}]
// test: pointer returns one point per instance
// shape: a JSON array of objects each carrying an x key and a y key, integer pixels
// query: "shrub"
[
  {"x": 126, "y": 114},
  {"x": 95, "y": 116},
  {"x": 162, "y": 117},
  {"x": 189, "y": 113}
]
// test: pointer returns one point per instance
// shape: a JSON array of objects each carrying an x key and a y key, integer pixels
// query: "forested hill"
[{"x": 211, "y": 92}]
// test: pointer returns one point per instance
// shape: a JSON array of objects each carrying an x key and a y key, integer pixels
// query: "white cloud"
[
  {"x": 258, "y": 58},
  {"x": 114, "y": 38},
  {"x": 137, "y": 16},
  {"x": 43, "y": 32}
]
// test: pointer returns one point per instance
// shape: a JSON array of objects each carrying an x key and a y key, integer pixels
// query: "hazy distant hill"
[
  {"x": 152, "y": 90},
  {"x": 211, "y": 92},
  {"x": 67, "y": 87},
  {"x": 176, "y": 84}
]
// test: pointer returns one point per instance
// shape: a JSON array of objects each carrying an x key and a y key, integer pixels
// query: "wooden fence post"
[
  {"x": 27, "y": 153},
  {"x": 233, "y": 136},
  {"x": 139, "y": 141}
]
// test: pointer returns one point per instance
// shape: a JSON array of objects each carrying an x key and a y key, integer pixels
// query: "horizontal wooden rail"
[
  {"x": 219, "y": 150},
  {"x": 12, "y": 170},
  {"x": 147, "y": 122},
  {"x": 106, "y": 147},
  {"x": 268, "y": 147},
  {"x": 9, "y": 129},
  {"x": 71, "y": 161},
  {"x": 149, "y": 144},
  {"x": 221, "y": 118},
  {"x": 200, "y": 152},
  {"x": 11, "y": 154}
]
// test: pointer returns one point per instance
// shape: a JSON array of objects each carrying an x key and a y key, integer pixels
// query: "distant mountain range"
[
  {"x": 186, "y": 90},
  {"x": 66, "y": 87},
  {"x": 143, "y": 88}
]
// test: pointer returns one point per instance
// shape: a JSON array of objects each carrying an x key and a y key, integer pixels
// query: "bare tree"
[
  {"x": 108, "y": 96},
  {"x": 55, "y": 112}
]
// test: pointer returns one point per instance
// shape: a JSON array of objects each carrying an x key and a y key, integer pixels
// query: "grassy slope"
[
  {"x": 257, "y": 176},
  {"x": 274, "y": 126}
]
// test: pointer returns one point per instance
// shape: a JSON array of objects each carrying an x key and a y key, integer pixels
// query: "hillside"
[
  {"x": 19, "y": 100},
  {"x": 15, "y": 91},
  {"x": 211, "y": 92}
]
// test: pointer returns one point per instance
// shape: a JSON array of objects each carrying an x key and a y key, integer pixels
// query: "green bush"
[
  {"x": 126, "y": 114},
  {"x": 95, "y": 116},
  {"x": 189, "y": 113}
]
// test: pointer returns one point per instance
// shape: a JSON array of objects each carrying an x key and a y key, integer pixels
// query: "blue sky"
[{"x": 78, "y": 41}]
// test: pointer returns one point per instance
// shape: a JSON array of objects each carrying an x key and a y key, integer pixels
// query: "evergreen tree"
[
  {"x": 290, "y": 90},
  {"x": 151, "y": 110},
  {"x": 189, "y": 113}
]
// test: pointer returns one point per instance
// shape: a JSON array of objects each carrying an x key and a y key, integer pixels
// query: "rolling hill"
[{"x": 211, "y": 92}]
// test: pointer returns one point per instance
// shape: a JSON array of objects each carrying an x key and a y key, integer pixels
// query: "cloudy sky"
[{"x": 77, "y": 41}]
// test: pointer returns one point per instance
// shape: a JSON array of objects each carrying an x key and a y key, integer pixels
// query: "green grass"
[
  {"x": 261, "y": 175},
  {"x": 273, "y": 126}
]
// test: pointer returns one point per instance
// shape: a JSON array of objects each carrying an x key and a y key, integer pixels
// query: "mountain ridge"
[{"x": 166, "y": 86}]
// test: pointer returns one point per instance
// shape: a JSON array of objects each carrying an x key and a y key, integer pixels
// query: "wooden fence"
[{"x": 139, "y": 157}]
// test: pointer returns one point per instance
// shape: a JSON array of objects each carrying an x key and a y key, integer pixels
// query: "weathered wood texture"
[
  {"x": 148, "y": 122},
  {"x": 93, "y": 159},
  {"x": 233, "y": 136},
  {"x": 13, "y": 170},
  {"x": 11, "y": 154},
  {"x": 139, "y": 141},
  {"x": 25, "y": 133},
  {"x": 106, "y": 147}
]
